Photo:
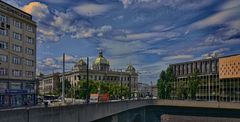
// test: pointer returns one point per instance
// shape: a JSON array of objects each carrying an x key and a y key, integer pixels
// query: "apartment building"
[
  {"x": 218, "y": 76},
  {"x": 17, "y": 57}
]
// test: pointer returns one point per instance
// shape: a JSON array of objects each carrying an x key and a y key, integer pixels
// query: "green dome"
[{"x": 101, "y": 60}]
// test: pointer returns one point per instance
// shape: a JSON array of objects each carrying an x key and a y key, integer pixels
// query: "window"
[
  {"x": 16, "y": 60},
  {"x": 17, "y": 24},
  {"x": 29, "y": 74},
  {"x": 3, "y": 32},
  {"x": 3, "y": 71},
  {"x": 29, "y": 62},
  {"x": 3, "y": 58},
  {"x": 29, "y": 28},
  {"x": 29, "y": 51},
  {"x": 29, "y": 40},
  {"x": 17, "y": 48},
  {"x": 17, "y": 73},
  {"x": 17, "y": 36},
  {"x": 3, "y": 45},
  {"x": 3, "y": 18}
]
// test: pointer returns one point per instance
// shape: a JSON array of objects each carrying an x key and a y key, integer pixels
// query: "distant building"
[
  {"x": 100, "y": 71},
  {"x": 219, "y": 77},
  {"x": 144, "y": 89},
  {"x": 17, "y": 57}
]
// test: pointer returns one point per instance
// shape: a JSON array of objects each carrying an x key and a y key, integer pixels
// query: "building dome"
[
  {"x": 101, "y": 60},
  {"x": 131, "y": 69},
  {"x": 101, "y": 63}
]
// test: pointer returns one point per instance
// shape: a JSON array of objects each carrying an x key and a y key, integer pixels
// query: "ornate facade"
[{"x": 100, "y": 71}]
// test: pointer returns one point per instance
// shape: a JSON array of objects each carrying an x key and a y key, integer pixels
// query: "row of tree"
[
  {"x": 184, "y": 89},
  {"x": 80, "y": 90}
]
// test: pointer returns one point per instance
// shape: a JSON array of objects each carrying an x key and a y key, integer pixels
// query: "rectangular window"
[
  {"x": 3, "y": 32},
  {"x": 3, "y": 45},
  {"x": 16, "y": 60},
  {"x": 29, "y": 40},
  {"x": 3, "y": 58},
  {"x": 17, "y": 48},
  {"x": 3, "y": 72},
  {"x": 29, "y": 74},
  {"x": 17, "y": 36},
  {"x": 3, "y": 18},
  {"x": 17, "y": 73},
  {"x": 29, "y": 28},
  {"x": 29, "y": 51},
  {"x": 17, "y": 24},
  {"x": 29, "y": 62}
]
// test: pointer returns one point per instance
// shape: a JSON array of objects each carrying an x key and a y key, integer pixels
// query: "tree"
[
  {"x": 170, "y": 77},
  {"x": 181, "y": 90},
  {"x": 165, "y": 82},
  {"x": 193, "y": 84},
  {"x": 161, "y": 85},
  {"x": 58, "y": 89}
]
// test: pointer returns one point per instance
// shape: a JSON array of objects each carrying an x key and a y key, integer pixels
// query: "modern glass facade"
[{"x": 219, "y": 78}]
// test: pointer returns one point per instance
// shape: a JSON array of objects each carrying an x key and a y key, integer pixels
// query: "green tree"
[
  {"x": 165, "y": 82},
  {"x": 58, "y": 89},
  {"x": 193, "y": 84},
  {"x": 181, "y": 90},
  {"x": 170, "y": 77},
  {"x": 161, "y": 85}
]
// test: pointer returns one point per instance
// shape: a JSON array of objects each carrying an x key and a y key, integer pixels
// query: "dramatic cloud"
[
  {"x": 36, "y": 9},
  {"x": 90, "y": 9}
]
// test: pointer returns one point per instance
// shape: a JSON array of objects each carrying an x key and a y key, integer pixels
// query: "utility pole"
[
  {"x": 87, "y": 93},
  {"x": 151, "y": 90},
  {"x": 130, "y": 85},
  {"x": 63, "y": 79},
  {"x": 121, "y": 84}
]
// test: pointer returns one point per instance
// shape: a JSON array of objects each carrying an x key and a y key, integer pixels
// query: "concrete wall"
[
  {"x": 73, "y": 113},
  {"x": 90, "y": 112}
]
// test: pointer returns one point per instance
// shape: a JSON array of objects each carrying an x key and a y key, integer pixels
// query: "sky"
[{"x": 149, "y": 34}]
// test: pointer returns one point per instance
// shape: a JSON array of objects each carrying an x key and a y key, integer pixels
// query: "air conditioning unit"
[
  {"x": 2, "y": 24},
  {"x": 8, "y": 26}
]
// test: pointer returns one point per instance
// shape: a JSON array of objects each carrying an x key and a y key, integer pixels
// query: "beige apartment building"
[
  {"x": 17, "y": 56},
  {"x": 100, "y": 71}
]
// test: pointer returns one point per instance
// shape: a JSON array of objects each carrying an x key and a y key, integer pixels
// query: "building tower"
[
  {"x": 101, "y": 63},
  {"x": 80, "y": 65}
]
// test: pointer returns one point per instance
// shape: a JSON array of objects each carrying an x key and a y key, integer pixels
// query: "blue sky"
[{"x": 150, "y": 34}]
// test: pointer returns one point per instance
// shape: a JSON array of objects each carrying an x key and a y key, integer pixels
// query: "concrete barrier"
[{"x": 71, "y": 113}]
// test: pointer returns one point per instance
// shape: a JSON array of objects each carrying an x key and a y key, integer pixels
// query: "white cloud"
[
  {"x": 178, "y": 57},
  {"x": 147, "y": 35},
  {"x": 215, "y": 53},
  {"x": 90, "y": 9},
  {"x": 179, "y": 4},
  {"x": 55, "y": 1},
  {"x": 37, "y": 9},
  {"x": 50, "y": 63},
  {"x": 47, "y": 35},
  {"x": 155, "y": 51},
  {"x": 122, "y": 48},
  {"x": 226, "y": 14}
]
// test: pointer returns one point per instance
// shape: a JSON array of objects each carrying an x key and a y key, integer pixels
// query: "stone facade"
[
  {"x": 99, "y": 72},
  {"x": 17, "y": 57}
]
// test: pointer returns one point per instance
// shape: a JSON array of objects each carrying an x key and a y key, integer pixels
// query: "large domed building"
[
  {"x": 100, "y": 71},
  {"x": 101, "y": 63}
]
